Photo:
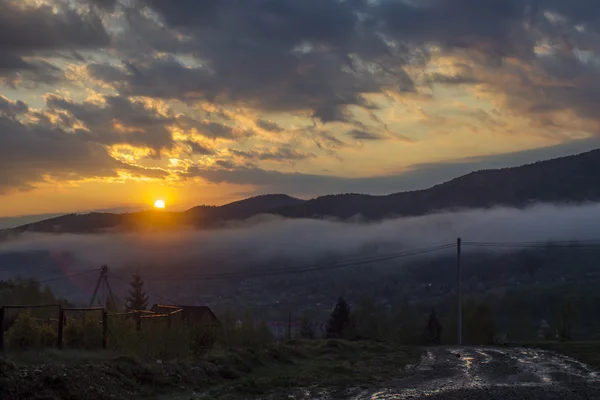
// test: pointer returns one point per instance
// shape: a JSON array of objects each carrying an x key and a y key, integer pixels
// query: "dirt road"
[{"x": 492, "y": 373}]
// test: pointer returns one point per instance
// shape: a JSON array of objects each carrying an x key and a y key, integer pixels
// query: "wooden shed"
[{"x": 194, "y": 315}]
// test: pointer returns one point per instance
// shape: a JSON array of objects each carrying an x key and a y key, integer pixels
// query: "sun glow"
[{"x": 159, "y": 204}]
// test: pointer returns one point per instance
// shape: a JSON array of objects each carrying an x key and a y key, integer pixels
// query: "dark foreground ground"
[
  {"x": 308, "y": 370},
  {"x": 231, "y": 373},
  {"x": 457, "y": 373}
]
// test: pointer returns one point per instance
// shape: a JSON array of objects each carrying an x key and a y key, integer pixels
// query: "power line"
[
  {"x": 546, "y": 245},
  {"x": 67, "y": 276},
  {"x": 545, "y": 242},
  {"x": 314, "y": 267},
  {"x": 287, "y": 271}
]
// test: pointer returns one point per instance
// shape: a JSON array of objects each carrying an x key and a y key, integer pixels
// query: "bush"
[
  {"x": 202, "y": 339},
  {"x": 92, "y": 331},
  {"x": 73, "y": 333},
  {"x": 157, "y": 340},
  {"x": 24, "y": 333},
  {"x": 83, "y": 332},
  {"x": 48, "y": 336}
]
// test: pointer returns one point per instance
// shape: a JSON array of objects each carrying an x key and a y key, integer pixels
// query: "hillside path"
[{"x": 492, "y": 373}]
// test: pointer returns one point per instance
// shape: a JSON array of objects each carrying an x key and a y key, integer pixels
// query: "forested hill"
[
  {"x": 573, "y": 179},
  {"x": 197, "y": 217}
]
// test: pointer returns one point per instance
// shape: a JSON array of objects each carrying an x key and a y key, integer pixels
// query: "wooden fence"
[{"x": 138, "y": 315}]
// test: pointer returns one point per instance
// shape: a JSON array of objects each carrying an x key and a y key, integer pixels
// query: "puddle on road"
[
  {"x": 440, "y": 371},
  {"x": 486, "y": 367}
]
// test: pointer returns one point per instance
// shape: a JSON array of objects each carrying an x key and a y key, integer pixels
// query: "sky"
[{"x": 112, "y": 104}]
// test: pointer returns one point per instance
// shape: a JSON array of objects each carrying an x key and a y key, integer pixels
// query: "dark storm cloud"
[
  {"x": 29, "y": 28},
  {"x": 118, "y": 121},
  {"x": 9, "y": 108},
  {"x": 363, "y": 135},
  {"x": 27, "y": 31},
  {"x": 322, "y": 56},
  {"x": 198, "y": 148},
  {"x": 493, "y": 26},
  {"x": 580, "y": 11},
  {"x": 282, "y": 55},
  {"x": 31, "y": 153},
  {"x": 269, "y": 126},
  {"x": 318, "y": 57},
  {"x": 105, "y": 4},
  {"x": 281, "y": 154},
  {"x": 211, "y": 129}
]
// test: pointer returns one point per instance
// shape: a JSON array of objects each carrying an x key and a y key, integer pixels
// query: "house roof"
[{"x": 201, "y": 311}]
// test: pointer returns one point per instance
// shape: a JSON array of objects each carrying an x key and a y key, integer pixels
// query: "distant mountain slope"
[
  {"x": 242, "y": 209},
  {"x": 572, "y": 179},
  {"x": 199, "y": 217}
]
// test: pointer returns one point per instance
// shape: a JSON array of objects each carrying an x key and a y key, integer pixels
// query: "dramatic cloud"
[
  {"x": 10, "y": 108},
  {"x": 213, "y": 130},
  {"x": 362, "y": 135},
  {"x": 269, "y": 126},
  {"x": 198, "y": 148},
  {"x": 282, "y": 154},
  {"x": 323, "y": 56},
  {"x": 32, "y": 153},
  {"x": 27, "y": 30},
  {"x": 222, "y": 90},
  {"x": 280, "y": 56},
  {"x": 117, "y": 121}
]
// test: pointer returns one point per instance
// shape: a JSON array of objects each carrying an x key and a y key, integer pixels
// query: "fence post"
[
  {"x": 61, "y": 323},
  {"x": 104, "y": 328},
  {"x": 138, "y": 322},
  {"x": 1, "y": 328}
]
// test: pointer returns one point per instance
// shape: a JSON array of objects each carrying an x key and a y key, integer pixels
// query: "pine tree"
[
  {"x": 340, "y": 317},
  {"x": 306, "y": 328},
  {"x": 137, "y": 299}
]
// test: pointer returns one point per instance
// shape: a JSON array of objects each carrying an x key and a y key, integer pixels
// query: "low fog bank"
[{"x": 270, "y": 240}]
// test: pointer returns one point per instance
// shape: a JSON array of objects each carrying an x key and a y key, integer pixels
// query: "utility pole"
[
  {"x": 103, "y": 279},
  {"x": 459, "y": 290}
]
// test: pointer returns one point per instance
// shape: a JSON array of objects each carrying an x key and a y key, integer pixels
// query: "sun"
[{"x": 159, "y": 204}]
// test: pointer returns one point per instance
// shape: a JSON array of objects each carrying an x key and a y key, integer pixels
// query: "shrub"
[
  {"x": 48, "y": 336},
  {"x": 92, "y": 332},
  {"x": 73, "y": 332},
  {"x": 122, "y": 334},
  {"x": 24, "y": 333},
  {"x": 202, "y": 339},
  {"x": 83, "y": 332}
]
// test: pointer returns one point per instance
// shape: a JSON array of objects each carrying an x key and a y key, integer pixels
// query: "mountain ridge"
[{"x": 569, "y": 179}]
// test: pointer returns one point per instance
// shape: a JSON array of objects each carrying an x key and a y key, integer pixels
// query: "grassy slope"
[
  {"x": 232, "y": 373},
  {"x": 332, "y": 364}
]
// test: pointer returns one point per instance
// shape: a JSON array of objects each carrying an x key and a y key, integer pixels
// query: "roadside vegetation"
[
  {"x": 239, "y": 358},
  {"x": 363, "y": 344}
]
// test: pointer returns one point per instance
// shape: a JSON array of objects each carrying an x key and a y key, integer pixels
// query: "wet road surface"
[{"x": 492, "y": 373}]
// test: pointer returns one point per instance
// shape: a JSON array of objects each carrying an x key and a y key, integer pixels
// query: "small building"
[{"x": 193, "y": 315}]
